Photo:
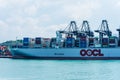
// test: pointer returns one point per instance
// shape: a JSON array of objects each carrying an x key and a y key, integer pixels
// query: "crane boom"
[
  {"x": 86, "y": 29},
  {"x": 103, "y": 30}
]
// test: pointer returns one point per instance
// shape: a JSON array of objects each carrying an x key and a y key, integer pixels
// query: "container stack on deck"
[
  {"x": 105, "y": 42},
  {"x": 76, "y": 38},
  {"x": 37, "y": 42},
  {"x": 26, "y": 42},
  {"x": 69, "y": 42},
  {"x": 91, "y": 42},
  {"x": 113, "y": 41}
]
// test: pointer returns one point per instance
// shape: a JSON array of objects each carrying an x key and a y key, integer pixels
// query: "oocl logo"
[{"x": 89, "y": 52}]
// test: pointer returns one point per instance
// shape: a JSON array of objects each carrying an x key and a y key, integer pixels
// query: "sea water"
[{"x": 21, "y": 69}]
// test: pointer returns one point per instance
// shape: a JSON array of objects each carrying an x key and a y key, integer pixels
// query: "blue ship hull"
[{"x": 67, "y": 53}]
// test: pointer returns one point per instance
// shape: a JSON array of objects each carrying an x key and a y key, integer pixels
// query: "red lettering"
[
  {"x": 100, "y": 54},
  {"x": 83, "y": 52},
  {"x": 95, "y": 52},
  {"x": 89, "y": 52}
]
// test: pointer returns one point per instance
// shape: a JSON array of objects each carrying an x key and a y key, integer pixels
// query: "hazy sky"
[{"x": 33, "y": 18}]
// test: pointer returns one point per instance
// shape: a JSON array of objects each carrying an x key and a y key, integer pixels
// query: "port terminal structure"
[{"x": 86, "y": 35}]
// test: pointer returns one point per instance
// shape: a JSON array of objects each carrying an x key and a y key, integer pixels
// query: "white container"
[{"x": 98, "y": 45}]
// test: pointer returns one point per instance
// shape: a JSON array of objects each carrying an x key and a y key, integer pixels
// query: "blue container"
[
  {"x": 38, "y": 40},
  {"x": 69, "y": 39},
  {"x": 69, "y": 45},
  {"x": 83, "y": 44},
  {"x": 25, "y": 41},
  {"x": 105, "y": 41},
  {"x": 69, "y": 42}
]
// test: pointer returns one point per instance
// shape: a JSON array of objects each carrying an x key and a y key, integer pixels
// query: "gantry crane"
[
  {"x": 71, "y": 29},
  {"x": 103, "y": 30},
  {"x": 86, "y": 29}
]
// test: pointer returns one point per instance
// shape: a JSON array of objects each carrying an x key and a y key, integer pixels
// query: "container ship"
[{"x": 72, "y": 43}]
